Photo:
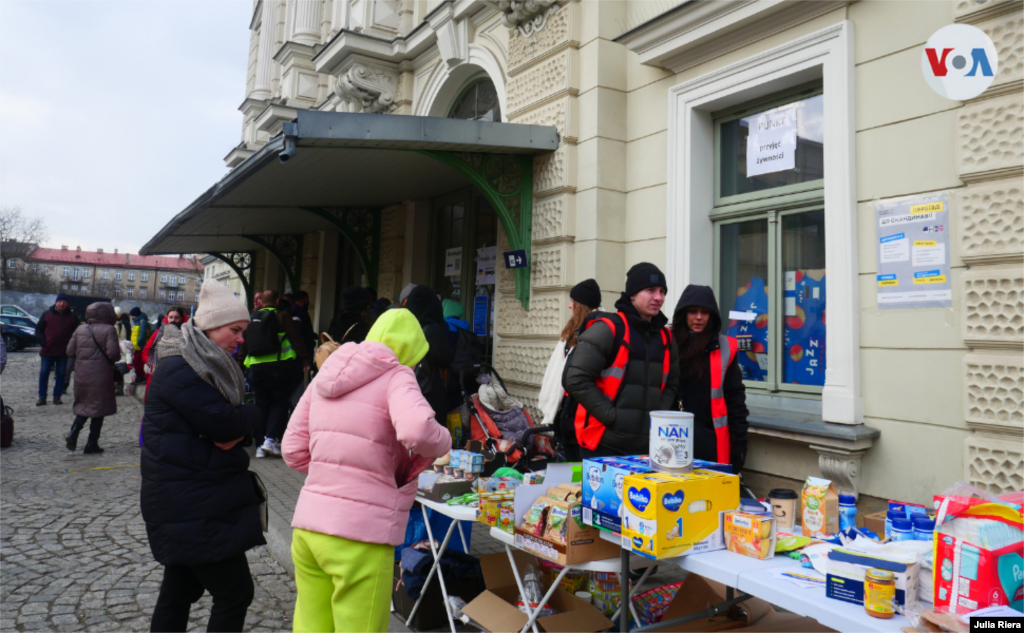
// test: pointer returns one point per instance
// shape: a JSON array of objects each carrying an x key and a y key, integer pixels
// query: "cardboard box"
[
  {"x": 845, "y": 577},
  {"x": 699, "y": 593},
  {"x": 602, "y": 489},
  {"x": 668, "y": 515},
  {"x": 429, "y": 489},
  {"x": 750, "y": 534},
  {"x": 819, "y": 508},
  {"x": 495, "y": 609},
  {"x": 876, "y": 523}
]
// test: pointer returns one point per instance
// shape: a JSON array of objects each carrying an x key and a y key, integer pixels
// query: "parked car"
[
  {"x": 18, "y": 332},
  {"x": 18, "y": 311}
]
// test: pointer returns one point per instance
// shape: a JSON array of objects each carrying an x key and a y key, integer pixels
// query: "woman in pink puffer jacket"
[{"x": 362, "y": 432}]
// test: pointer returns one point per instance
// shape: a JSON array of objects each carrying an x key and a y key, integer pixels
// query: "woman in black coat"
[
  {"x": 199, "y": 502},
  {"x": 697, "y": 329},
  {"x": 425, "y": 305}
]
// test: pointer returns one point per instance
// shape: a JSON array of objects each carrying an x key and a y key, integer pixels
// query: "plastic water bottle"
[
  {"x": 902, "y": 530},
  {"x": 924, "y": 528},
  {"x": 847, "y": 512}
]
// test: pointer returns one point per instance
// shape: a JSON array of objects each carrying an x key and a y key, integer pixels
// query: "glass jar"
[{"x": 879, "y": 593}]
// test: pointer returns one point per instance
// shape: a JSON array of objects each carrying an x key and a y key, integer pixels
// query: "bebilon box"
[
  {"x": 604, "y": 478},
  {"x": 668, "y": 515}
]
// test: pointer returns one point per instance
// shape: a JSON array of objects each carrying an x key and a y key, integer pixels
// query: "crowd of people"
[{"x": 363, "y": 424}]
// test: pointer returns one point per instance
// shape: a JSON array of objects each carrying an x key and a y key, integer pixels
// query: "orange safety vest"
[
  {"x": 719, "y": 412},
  {"x": 589, "y": 430}
]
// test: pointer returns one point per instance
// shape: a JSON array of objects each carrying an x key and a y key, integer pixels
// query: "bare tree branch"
[{"x": 19, "y": 235}]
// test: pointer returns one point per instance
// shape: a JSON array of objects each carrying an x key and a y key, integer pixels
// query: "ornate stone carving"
[
  {"x": 522, "y": 361},
  {"x": 550, "y": 217},
  {"x": 541, "y": 81},
  {"x": 991, "y": 137},
  {"x": 991, "y": 222},
  {"x": 391, "y": 255},
  {"x": 526, "y": 16},
  {"x": 389, "y": 221},
  {"x": 840, "y": 466},
  {"x": 363, "y": 89},
  {"x": 387, "y": 285},
  {"x": 1007, "y": 33},
  {"x": 994, "y": 464},
  {"x": 546, "y": 317},
  {"x": 560, "y": 114},
  {"x": 555, "y": 171},
  {"x": 548, "y": 267},
  {"x": 504, "y": 174},
  {"x": 994, "y": 392},
  {"x": 994, "y": 307},
  {"x": 556, "y": 32},
  {"x": 972, "y": 11},
  {"x": 529, "y": 399}
]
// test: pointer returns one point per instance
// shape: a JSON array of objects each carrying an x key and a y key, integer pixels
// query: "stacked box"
[
  {"x": 602, "y": 490},
  {"x": 605, "y": 591},
  {"x": 466, "y": 461}
]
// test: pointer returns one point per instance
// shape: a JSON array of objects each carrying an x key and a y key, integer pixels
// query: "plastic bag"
[{"x": 533, "y": 592}]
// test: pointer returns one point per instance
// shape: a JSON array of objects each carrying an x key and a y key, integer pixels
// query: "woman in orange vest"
[{"x": 711, "y": 383}]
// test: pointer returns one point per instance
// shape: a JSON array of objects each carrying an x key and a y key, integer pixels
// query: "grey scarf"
[{"x": 214, "y": 365}]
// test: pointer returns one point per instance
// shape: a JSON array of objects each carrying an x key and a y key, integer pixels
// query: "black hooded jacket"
[
  {"x": 628, "y": 418},
  {"x": 426, "y": 307},
  {"x": 695, "y": 392}
]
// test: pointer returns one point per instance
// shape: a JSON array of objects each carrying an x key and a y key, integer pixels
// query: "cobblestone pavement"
[{"x": 73, "y": 547}]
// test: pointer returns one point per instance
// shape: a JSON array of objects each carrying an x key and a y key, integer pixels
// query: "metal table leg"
[
  {"x": 435, "y": 568},
  {"x": 462, "y": 535},
  {"x": 632, "y": 593},
  {"x": 624, "y": 591}
]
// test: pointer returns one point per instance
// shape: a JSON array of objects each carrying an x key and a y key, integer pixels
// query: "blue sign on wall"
[
  {"x": 480, "y": 313},
  {"x": 515, "y": 259}
]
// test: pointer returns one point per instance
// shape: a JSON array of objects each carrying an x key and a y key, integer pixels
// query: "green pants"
[{"x": 342, "y": 585}]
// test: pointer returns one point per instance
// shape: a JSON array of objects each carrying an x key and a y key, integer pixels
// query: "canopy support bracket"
[
  {"x": 287, "y": 250},
  {"x": 361, "y": 227},
  {"x": 506, "y": 180},
  {"x": 242, "y": 264}
]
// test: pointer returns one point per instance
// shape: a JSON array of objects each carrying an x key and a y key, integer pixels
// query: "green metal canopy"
[{"x": 336, "y": 170}]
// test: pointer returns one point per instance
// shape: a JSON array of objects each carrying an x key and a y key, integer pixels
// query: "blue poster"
[
  {"x": 480, "y": 313},
  {"x": 752, "y": 331},
  {"x": 803, "y": 358}
]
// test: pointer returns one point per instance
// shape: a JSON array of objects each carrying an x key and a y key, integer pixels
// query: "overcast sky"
[{"x": 116, "y": 115}]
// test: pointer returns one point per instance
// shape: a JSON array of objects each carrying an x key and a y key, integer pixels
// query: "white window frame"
[
  {"x": 145, "y": 276},
  {"x": 131, "y": 275},
  {"x": 131, "y": 292},
  {"x": 12, "y": 263},
  {"x": 163, "y": 278},
  {"x": 827, "y": 54},
  {"x": 106, "y": 274},
  {"x": 117, "y": 275},
  {"x": 163, "y": 295},
  {"x": 142, "y": 293},
  {"x": 117, "y": 291},
  {"x": 85, "y": 290},
  {"x": 86, "y": 272},
  {"x": 181, "y": 295}
]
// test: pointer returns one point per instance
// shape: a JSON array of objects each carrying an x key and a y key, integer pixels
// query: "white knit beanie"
[{"x": 218, "y": 306}]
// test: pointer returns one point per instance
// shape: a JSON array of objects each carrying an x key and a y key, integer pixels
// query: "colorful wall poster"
[
  {"x": 913, "y": 253},
  {"x": 803, "y": 351},
  {"x": 748, "y": 324}
]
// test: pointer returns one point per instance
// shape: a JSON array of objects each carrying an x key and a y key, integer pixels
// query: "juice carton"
[
  {"x": 750, "y": 534},
  {"x": 669, "y": 514},
  {"x": 602, "y": 490},
  {"x": 819, "y": 508}
]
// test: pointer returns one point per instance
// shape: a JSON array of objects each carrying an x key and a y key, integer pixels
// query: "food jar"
[{"x": 879, "y": 593}]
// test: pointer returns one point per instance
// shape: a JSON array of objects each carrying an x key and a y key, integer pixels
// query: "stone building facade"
[{"x": 641, "y": 94}]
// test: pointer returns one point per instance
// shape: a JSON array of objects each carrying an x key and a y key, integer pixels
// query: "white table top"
[
  {"x": 459, "y": 513},
  {"x": 613, "y": 565}
]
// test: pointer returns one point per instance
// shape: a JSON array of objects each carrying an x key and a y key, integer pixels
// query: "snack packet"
[
  {"x": 558, "y": 517},
  {"x": 536, "y": 518}
]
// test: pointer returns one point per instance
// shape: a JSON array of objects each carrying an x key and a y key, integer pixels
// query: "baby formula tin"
[{"x": 671, "y": 441}]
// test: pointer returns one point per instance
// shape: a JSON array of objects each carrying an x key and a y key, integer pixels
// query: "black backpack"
[
  {"x": 469, "y": 350},
  {"x": 261, "y": 337}
]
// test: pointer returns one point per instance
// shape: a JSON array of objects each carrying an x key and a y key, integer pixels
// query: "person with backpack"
[
  {"x": 584, "y": 300},
  {"x": 275, "y": 356},
  {"x": 712, "y": 388},
  {"x": 624, "y": 366},
  {"x": 95, "y": 350},
  {"x": 467, "y": 351},
  {"x": 352, "y": 323},
  {"x": 426, "y": 307}
]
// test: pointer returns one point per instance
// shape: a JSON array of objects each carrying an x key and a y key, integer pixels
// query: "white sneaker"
[
  {"x": 260, "y": 453},
  {"x": 272, "y": 447}
]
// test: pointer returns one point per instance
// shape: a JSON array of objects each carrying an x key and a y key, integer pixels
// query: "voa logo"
[{"x": 959, "y": 62}]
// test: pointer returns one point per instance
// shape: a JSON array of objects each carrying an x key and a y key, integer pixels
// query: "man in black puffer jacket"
[{"x": 615, "y": 414}]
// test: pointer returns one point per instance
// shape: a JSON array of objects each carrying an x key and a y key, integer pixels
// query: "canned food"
[{"x": 879, "y": 593}]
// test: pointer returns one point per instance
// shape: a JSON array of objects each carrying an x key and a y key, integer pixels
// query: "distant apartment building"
[{"x": 117, "y": 275}]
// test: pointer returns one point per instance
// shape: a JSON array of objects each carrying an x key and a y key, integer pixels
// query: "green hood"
[
  {"x": 399, "y": 330},
  {"x": 453, "y": 309}
]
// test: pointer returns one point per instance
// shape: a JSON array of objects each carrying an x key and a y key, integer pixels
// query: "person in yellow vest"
[
  {"x": 275, "y": 356},
  {"x": 712, "y": 388},
  {"x": 140, "y": 336},
  {"x": 623, "y": 367}
]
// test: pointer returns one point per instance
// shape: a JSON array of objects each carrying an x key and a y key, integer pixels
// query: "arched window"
[{"x": 478, "y": 101}]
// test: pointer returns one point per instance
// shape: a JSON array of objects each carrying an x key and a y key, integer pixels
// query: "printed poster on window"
[
  {"x": 453, "y": 262},
  {"x": 748, "y": 324},
  {"x": 486, "y": 259},
  {"x": 771, "y": 141},
  {"x": 803, "y": 358},
  {"x": 913, "y": 253}
]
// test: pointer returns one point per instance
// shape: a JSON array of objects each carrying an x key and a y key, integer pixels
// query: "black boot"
[
  {"x": 92, "y": 445},
  {"x": 72, "y": 437}
]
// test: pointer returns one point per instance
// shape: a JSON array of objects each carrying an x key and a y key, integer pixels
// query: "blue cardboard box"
[{"x": 602, "y": 488}]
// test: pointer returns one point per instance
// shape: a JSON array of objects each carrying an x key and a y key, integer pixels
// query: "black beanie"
[
  {"x": 586, "y": 292},
  {"x": 642, "y": 276}
]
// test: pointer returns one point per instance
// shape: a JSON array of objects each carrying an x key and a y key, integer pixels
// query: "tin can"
[
  {"x": 671, "y": 441},
  {"x": 879, "y": 593}
]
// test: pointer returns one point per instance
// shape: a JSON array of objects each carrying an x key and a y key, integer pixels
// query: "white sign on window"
[
  {"x": 486, "y": 259},
  {"x": 453, "y": 262},
  {"x": 771, "y": 141}
]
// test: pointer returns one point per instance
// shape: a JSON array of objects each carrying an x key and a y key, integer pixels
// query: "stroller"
[{"x": 501, "y": 426}]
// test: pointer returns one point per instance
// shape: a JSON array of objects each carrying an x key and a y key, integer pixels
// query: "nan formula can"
[{"x": 671, "y": 443}]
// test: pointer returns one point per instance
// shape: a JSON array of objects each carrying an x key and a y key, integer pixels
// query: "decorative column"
[
  {"x": 990, "y": 207},
  {"x": 265, "y": 56},
  {"x": 306, "y": 22}
]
